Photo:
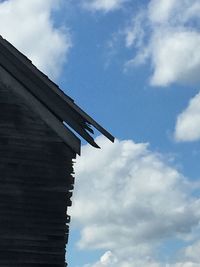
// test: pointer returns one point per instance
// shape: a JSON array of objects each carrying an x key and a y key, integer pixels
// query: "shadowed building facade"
[{"x": 37, "y": 150}]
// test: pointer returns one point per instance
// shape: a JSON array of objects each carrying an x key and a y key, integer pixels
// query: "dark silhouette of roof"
[{"x": 57, "y": 108}]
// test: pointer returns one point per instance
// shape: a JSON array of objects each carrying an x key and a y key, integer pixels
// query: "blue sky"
[{"x": 134, "y": 67}]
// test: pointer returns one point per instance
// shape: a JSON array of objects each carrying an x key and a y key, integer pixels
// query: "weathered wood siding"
[{"x": 35, "y": 187}]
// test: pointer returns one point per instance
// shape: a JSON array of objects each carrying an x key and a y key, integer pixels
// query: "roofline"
[{"x": 48, "y": 93}]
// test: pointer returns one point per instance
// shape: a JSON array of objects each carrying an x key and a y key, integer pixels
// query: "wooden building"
[{"x": 37, "y": 149}]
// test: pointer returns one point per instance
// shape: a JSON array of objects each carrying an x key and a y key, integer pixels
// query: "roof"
[{"x": 57, "y": 108}]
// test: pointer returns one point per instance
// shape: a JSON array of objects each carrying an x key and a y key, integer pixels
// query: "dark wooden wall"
[{"x": 35, "y": 187}]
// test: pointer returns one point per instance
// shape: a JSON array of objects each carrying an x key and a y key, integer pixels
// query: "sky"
[{"x": 134, "y": 66}]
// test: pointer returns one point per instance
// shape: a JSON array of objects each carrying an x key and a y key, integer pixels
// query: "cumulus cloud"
[
  {"x": 175, "y": 57},
  {"x": 128, "y": 200},
  {"x": 161, "y": 11},
  {"x": 187, "y": 125},
  {"x": 29, "y": 26},
  {"x": 108, "y": 259},
  {"x": 103, "y": 5},
  {"x": 170, "y": 31}
]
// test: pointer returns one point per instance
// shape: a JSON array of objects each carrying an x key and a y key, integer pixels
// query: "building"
[{"x": 37, "y": 148}]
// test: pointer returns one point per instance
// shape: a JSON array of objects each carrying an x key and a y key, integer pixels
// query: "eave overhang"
[{"x": 47, "y": 96}]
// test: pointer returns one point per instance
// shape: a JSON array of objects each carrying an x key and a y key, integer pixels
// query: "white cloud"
[
  {"x": 28, "y": 25},
  {"x": 175, "y": 57},
  {"x": 111, "y": 260},
  {"x": 160, "y": 10},
  {"x": 107, "y": 259},
  {"x": 174, "y": 12},
  {"x": 136, "y": 34},
  {"x": 187, "y": 125},
  {"x": 129, "y": 200},
  {"x": 103, "y": 5},
  {"x": 172, "y": 39}
]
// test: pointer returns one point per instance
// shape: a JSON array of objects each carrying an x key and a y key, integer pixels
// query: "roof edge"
[
  {"x": 48, "y": 93},
  {"x": 68, "y": 137}
]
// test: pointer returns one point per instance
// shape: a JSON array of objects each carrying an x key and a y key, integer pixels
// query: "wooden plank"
[
  {"x": 49, "y": 118},
  {"x": 35, "y": 187}
]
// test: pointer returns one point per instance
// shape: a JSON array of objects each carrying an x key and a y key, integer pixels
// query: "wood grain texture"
[{"x": 36, "y": 182}]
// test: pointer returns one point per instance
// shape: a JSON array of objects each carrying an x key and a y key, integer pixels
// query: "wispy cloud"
[
  {"x": 30, "y": 27},
  {"x": 129, "y": 200},
  {"x": 171, "y": 40},
  {"x": 187, "y": 125},
  {"x": 103, "y": 5}
]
